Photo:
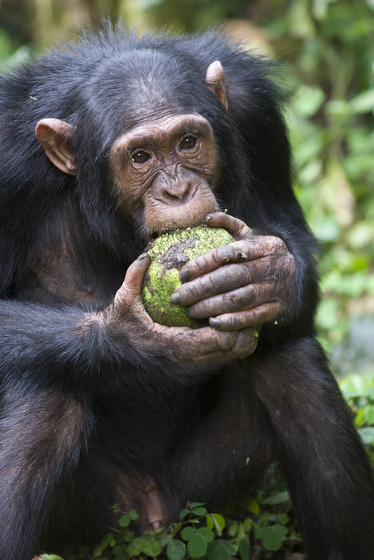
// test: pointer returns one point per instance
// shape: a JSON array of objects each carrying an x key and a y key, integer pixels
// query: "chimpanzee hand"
[
  {"x": 202, "y": 346},
  {"x": 239, "y": 285}
]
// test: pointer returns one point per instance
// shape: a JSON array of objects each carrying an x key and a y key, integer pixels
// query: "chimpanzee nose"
[
  {"x": 180, "y": 193},
  {"x": 178, "y": 189}
]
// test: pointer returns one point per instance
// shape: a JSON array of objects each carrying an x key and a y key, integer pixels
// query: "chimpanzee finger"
[
  {"x": 236, "y": 227},
  {"x": 246, "y": 343},
  {"x": 132, "y": 284},
  {"x": 197, "y": 342},
  {"x": 224, "y": 279},
  {"x": 249, "y": 296},
  {"x": 251, "y": 249},
  {"x": 248, "y": 318}
]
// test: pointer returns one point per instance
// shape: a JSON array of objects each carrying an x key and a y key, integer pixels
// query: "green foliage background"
[{"x": 326, "y": 51}]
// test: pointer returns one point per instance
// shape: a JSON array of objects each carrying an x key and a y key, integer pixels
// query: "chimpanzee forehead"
[
  {"x": 162, "y": 131},
  {"x": 146, "y": 84}
]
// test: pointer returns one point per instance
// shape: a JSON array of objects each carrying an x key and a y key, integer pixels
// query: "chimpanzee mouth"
[{"x": 154, "y": 234}]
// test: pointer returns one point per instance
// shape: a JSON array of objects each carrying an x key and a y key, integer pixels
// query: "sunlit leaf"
[
  {"x": 367, "y": 435},
  {"x": 363, "y": 102}
]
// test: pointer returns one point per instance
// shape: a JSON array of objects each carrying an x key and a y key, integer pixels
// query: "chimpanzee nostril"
[{"x": 179, "y": 192}]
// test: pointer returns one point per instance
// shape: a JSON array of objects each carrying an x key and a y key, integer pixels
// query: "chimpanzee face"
[
  {"x": 164, "y": 167},
  {"x": 165, "y": 171}
]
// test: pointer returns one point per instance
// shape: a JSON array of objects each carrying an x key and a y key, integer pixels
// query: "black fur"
[{"x": 86, "y": 415}]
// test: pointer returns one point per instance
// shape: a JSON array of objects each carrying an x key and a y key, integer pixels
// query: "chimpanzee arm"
[{"x": 84, "y": 348}]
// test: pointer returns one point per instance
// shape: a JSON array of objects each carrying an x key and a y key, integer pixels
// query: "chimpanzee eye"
[
  {"x": 188, "y": 142},
  {"x": 139, "y": 156}
]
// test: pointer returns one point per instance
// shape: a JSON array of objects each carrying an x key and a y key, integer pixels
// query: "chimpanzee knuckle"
[
  {"x": 197, "y": 267},
  {"x": 207, "y": 340},
  {"x": 243, "y": 231},
  {"x": 200, "y": 310},
  {"x": 229, "y": 322},
  {"x": 246, "y": 343},
  {"x": 267, "y": 312},
  {"x": 196, "y": 290},
  {"x": 230, "y": 277},
  {"x": 225, "y": 340},
  {"x": 278, "y": 246},
  {"x": 231, "y": 253}
]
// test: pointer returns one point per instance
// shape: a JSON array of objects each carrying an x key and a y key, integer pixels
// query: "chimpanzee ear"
[
  {"x": 55, "y": 137},
  {"x": 215, "y": 79}
]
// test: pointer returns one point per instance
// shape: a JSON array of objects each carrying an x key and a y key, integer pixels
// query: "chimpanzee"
[{"x": 105, "y": 144}]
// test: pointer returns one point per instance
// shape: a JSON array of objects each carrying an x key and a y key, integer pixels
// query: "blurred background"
[{"x": 326, "y": 49}]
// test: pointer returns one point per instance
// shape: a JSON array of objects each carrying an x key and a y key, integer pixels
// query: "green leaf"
[
  {"x": 187, "y": 533},
  {"x": 241, "y": 533},
  {"x": 244, "y": 549},
  {"x": 50, "y": 557},
  {"x": 367, "y": 435},
  {"x": 184, "y": 513},
  {"x": 218, "y": 552},
  {"x": 133, "y": 515},
  {"x": 218, "y": 522},
  {"x": 153, "y": 549},
  {"x": 124, "y": 521},
  {"x": 272, "y": 537},
  {"x": 308, "y": 100},
  {"x": 120, "y": 553},
  {"x": 165, "y": 540},
  {"x": 175, "y": 550},
  {"x": 233, "y": 529},
  {"x": 206, "y": 533},
  {"x": 369, "y": 414},
  {"x": 199, "y": 511},
  {"x": 135, "y": 548},
  {"x": 284, "y": 519},
  {"x": 102, "y": 545},
  {"x": 279, "y": 498},
  {"x": 253, "y": 507},
  {"x": 197, "y": 546},
  {"x": 363, "y": 102},
  {"x": 228, "y": 546},
  {"x": 196, "y": 504}
]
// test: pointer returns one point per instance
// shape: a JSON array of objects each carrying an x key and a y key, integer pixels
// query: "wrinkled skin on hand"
[
  {"x": 242, "y": 284},
  {"x": 238, "y": 286},
  {"x": 181, "y": 344}
]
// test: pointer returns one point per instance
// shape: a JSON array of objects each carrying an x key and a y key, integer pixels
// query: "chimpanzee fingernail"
[
  {"x": 214, "y": 322},
  {"x": 183, "y": 276},
  {"x": 208, "y": 217},
  {"x": 175, "y": 299},
  {"x": 142, "y": 256}
]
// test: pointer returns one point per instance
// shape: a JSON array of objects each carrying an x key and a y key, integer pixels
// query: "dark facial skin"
[{"x": 165, "y": 172}]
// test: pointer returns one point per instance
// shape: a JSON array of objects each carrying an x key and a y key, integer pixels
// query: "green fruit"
[{"x": 169, "y": 253}]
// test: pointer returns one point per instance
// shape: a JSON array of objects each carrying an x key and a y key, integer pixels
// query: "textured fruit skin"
[{"x": 169, "y": 253}]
